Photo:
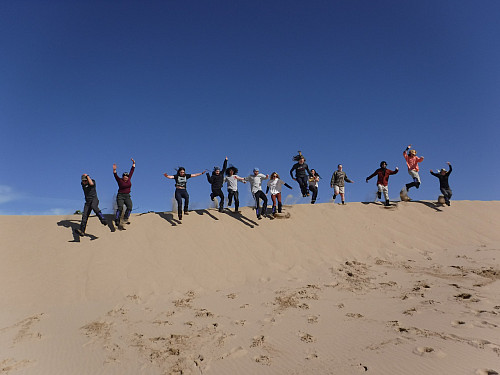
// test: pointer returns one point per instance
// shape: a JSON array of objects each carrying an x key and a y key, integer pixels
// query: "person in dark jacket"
[
  {"x": 383, "y": 180},
  {"x": 301, "y": 176},
  {"x": 217, "y": 180},
  {"x": 443, "y": 183},
  {"x": 123, "y": 196},
  {"x": 91, "y": 203}
]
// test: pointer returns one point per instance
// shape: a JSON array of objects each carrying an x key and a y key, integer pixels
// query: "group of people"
[{"x": 306, "y": 178}]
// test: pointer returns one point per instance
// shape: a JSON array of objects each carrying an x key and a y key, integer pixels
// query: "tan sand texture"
[{"x": 411, "y": 289}]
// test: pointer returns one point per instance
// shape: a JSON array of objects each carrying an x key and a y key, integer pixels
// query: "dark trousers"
[
  {"x": 91, "y": 205},
  {"x": 220, "y": 194},
  {"x": 314, "y": 190},
  {"x": 446, "y": 193},
  {"x": 179, "y": 195},
  {"x": 303, "y": 183},
  {"x": 123, "y": 199},
  {"x": 257, "y": 196},
  {"x": 233, "y": 194}
]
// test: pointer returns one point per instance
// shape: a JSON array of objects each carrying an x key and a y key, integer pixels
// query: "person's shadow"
[
  {"x": 74, "y": 225},
  {"x": 240, "y": 217},
  {"x": 434, "y": 206},
  {"x": 206, "y": 212},
  {"x": 168, "y": 216}
]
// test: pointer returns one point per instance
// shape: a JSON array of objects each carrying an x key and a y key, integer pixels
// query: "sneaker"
[
  {"x": 221, "y": 209},
  {"x": 343, "y": 202},
  {"x": 312, "y": 202},
  {"x": 448, "y": 203},
  {"x": 104, "y": 222},
  {"x": 379, "y": 195},
  {"x": 80, "y": 232},
  {"x": 186, "y": 213},
  {"x": 180, "y": 217},
  {"x": 334, "y": 196},
  {"x": 259, "y": 217}
]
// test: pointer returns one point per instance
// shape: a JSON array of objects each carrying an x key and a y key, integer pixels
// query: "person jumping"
[
  {"x": 301, "y": 176},
  {"x": 443, "y": 183},
  {"x": 274, "y": 185},
  {"x": 91, "y": 203},
  {"x": 217, "y": 180},
  {"x": 338, "y": 183},
  {"x": 123, "y": 196},
  {"x": 412, "y": 161},
  {"x": 181, "y": 188},
  {"x": 232, "y": 179},
  {"x": 383, "y": 180},
  {"x": 255, "y": 180}
]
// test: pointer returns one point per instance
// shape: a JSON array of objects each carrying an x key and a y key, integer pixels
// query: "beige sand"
[{"x": 332, "y": 290}]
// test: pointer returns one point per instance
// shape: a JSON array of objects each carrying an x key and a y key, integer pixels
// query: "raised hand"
[{"x": 114, "y": 167}]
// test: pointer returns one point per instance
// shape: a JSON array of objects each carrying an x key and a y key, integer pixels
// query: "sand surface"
[{"x": 413, "y": 289}]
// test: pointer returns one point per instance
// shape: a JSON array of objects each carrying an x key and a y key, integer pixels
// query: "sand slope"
[{"x": 331, "y": 290}]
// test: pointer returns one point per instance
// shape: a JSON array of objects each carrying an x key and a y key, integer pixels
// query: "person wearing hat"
[
  {"x": 383, "y": 180},
  {"x": 301, "y": 176},
  {"x": 91, "y": 203},
  {"x": 123, "y": 196},
  {"x": 255, "y": 180},
  {"x": 181, "y": 193},
  {"x": 217, "y": 180},
  {"x": 412, "y": 161},
  {"x": 443, "y": 183},
  {"x": 232, "y": 179}
]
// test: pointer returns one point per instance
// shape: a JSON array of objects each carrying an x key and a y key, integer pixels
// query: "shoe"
[
  {"x": 387, "y": 203},
  {"x": 334, "y": 196},
  {"x": 379, "y": 195},
  {"x": 117, "y": 223},
  {"x": 308, "y": 194},
  {"x": 180, "y": 217},
  {"x": 274, "y": 210},
  {"x": 80, "y": 232},
  {"x": 343, "y": 202},
  {"x": 186, "y": 213},
  {"x": 304, "y": 195},
  {"x": 312, "y": 202},
  {"x": 448, "y": 203},
  {"x": 104, "y": 222},
  {"x": 221, "y": 210},
  {"x": 259, "y": 217}
]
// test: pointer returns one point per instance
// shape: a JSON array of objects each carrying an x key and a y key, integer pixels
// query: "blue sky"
[{"x": 87, "y": 84}]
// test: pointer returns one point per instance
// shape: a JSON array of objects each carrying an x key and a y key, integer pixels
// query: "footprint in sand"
[
  {"x": 354, "y": 315},
  {"x": 232, "y": 296},
  {"x": 257, "y": 341},
  {"x": 460, "y": 324},
  {"x": 312, "y": 319},
  {"x": 203, "y": 313},
  {"x": 307, "y": 338},
  {"x": 312, "y": 355},
  {"x": 263, "y": 360},
  {"x": 428, "y": 351}
]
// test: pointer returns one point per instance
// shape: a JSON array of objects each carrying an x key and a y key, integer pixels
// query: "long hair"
[
  {"x": 180, "y": 169},
  {"x": 315, "y": 173},
  {"x": 232, "y": 168},
  {"x": 298, "y": 157},
  {"x": 275, "y": 173}
]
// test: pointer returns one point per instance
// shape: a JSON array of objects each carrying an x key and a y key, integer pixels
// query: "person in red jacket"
[
  {"x": 383, "y": 180},
  {"x": 123, "y": 196}
]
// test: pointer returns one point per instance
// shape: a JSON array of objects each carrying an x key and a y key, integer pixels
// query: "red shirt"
[{"x": 124, "y": 186}]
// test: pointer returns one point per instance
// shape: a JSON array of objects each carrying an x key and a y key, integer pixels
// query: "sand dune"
[{"x": 333, "y": 289}]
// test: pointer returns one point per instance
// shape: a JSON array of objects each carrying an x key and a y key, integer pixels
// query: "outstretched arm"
[
  {"x": 288, "y": 186},
  {"x": 371, "y": 176},
  {"x": 198, "y": 174},
  {"x": 168, "y": 176}
]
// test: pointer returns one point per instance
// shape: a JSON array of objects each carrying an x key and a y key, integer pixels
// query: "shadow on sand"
[
  {"x": 169, "y": 216},
  {"x": 240, "y": 217},
  {"x": 75, "y": 224}
]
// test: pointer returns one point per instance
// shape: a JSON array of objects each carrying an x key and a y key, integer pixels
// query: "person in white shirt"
[
  {"x": 274, "y": 186},
  {"x": 232, "y": 186},
  {"x": 255, "y": 180}
]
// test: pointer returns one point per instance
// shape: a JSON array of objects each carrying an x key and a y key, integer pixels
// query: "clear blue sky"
[{"x": 85, "y": 84}]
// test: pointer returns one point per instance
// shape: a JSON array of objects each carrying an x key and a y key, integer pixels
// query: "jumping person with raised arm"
[
  {"x": 443, "y": 183},
  {"x": 412, "y": 161},
  {"x": 181, "y": 188},
  {"x": 91, "y": 203},
  {"x": 123, "y": 196},
  {"x": 217, "y": 180}
]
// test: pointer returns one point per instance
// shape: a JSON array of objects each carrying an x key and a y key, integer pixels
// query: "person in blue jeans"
[
  {"x": 181, "y": 193},
  {"x": 301, "y": 176},
  {"x": 443, "y": 183}
]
